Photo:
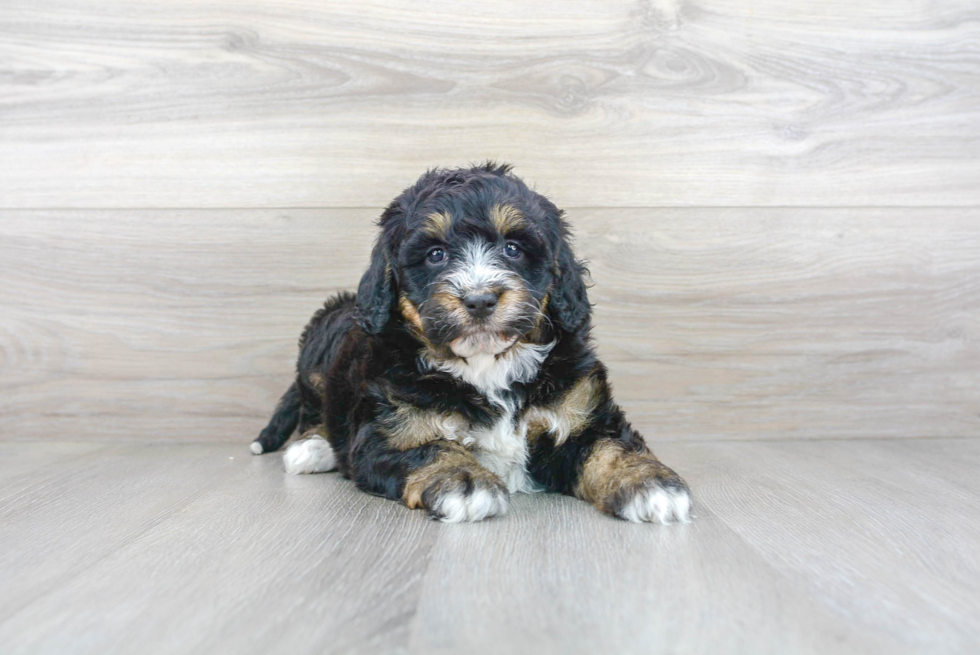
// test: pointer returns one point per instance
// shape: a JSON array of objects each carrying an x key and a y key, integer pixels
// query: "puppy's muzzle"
[{"x": 480, "y": 304}]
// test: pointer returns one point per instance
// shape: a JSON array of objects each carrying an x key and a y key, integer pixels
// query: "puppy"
[{"x": 463, "y": 370}]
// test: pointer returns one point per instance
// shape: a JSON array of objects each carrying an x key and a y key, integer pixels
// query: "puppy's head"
[{"x": 471, "y": 261}]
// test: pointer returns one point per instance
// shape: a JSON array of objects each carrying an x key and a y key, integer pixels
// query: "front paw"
[
  {"x": 459, "y": 494},
  {"x": 653, "y": 500},
  {"x": 634, "y": 486}
]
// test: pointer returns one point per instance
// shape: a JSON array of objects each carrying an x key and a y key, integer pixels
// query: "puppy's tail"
[{"x": 281, "y": 425}]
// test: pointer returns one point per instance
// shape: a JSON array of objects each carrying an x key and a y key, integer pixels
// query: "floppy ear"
[
  {"x": 569, "y": 300},
  {"x": 375, "y": 293}
]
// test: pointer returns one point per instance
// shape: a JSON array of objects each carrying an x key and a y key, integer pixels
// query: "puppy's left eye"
[{"x": 512, "y": 250}]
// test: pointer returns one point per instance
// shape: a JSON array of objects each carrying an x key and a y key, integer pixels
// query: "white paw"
[
  {"x": 256, "y": 448},
  {"x": 657, "y": 504},
  {"x": 481, "y": 503},
  {"x": 313, "y": 455}
]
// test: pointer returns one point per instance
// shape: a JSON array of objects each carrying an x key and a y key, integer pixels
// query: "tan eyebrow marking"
[
  {"x": 506, "y": 219},
  {"x": 437, "y": 224}
]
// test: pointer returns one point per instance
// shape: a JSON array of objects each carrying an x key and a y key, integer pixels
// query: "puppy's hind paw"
[{"x": 313, "y": 455}]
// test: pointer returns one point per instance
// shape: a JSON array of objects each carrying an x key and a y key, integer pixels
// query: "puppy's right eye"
[{"x": 436, "y": 255}]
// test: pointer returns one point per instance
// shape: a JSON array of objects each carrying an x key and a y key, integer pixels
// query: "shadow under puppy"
[{"x": 463, "y": 370}]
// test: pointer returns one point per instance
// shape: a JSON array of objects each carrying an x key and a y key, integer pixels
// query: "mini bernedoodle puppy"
[{"x": 463, "y": 370}]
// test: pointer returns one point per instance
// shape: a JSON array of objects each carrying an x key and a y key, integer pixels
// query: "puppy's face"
[
  {"x": 474, "y": 276},
  {"x": 471, "y": 260}
]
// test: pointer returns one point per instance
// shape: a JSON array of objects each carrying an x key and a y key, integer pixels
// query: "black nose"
[{"x": 480, "y": 304}]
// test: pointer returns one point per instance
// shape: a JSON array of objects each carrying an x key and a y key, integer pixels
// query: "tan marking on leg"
[
  {"x": 437, "y": 224},
  {"x": 318, "y": 431},
  {"x": 453, "y": 456},
  {"x": 506, "y": 219},
  {"x": 611, "y": 468},
  {"x": 567, "y": 416},
  {"x": 411, "y": 427}
]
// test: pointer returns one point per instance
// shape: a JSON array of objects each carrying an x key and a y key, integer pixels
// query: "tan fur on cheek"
[
  {"x": 450, "y": 302},
  {"x": 511, "y": 303},
  {"x": 537, "y": 332},
  {"x": 410, "y": 312},
  {"x": 452, "y": 306}
]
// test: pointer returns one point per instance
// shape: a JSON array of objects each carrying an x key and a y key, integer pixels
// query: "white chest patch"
[
  {"x": 501, "y": 447},
  {"x": 492, "y": 374}
]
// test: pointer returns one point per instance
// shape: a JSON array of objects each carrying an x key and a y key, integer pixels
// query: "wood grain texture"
[
  {"x": 877, "y": 527},
  {"x": 600, "y": 103},
  {"x": 557, "y": 577},
  {"x": 54, "y": 519},
  {"x": 862, "y": 546},
  {"x": 247, "y": 560},
  {"x": 714, "y": 323}
]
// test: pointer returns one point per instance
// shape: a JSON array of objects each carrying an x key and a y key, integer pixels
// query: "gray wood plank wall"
[{"x": 779, "y": 200}]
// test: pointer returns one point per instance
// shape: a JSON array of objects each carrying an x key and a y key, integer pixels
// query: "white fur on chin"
[
  {"x": 485, "y": 343},
  {"x": 492, "y": 373}
]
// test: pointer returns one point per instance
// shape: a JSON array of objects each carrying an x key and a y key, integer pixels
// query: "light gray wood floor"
[{"x": 797, "y": 546}]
